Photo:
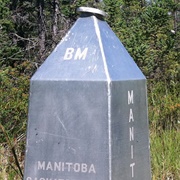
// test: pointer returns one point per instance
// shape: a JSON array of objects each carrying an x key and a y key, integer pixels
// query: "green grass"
[
  {"x": 8, "y": 168},
  {"x": 165, "y": 155}
]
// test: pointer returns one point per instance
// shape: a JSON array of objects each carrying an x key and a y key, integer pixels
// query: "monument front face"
[{"x": 68, "y": 131}]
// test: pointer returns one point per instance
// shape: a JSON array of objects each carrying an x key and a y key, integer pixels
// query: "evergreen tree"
[{"x": 9, "y": 52}]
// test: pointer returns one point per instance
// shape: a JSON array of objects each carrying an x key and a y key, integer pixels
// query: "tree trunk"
[
  {"x": 41, "y": 27},
  {"x": 55, "y": 18},
  {"x": 143, "y": 3},
  {"x": 176, "y": 17}
]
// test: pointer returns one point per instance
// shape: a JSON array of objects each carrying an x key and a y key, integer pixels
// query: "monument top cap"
[{"x": 93, "y": 11}]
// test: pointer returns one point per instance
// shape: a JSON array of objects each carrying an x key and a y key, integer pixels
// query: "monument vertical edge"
[{"x": 98, "y": 33}]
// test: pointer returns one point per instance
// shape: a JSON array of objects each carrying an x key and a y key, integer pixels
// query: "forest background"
[{"x": 30, "y": 30}]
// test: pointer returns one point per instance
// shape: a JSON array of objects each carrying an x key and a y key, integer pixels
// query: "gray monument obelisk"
[{"x": 88, "y": 109}]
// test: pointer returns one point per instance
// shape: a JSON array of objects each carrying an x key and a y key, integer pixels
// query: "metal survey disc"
[{"x": 91, "y": 10}]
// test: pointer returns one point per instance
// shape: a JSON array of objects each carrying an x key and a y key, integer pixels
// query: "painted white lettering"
[
  {"x": 130, "y": 97},
  {"x": 131, "y": 129},
  {"x": 41, "y": 178},
  {"x": 69, "y": 166},
  {"x": 57, "y": 166},
  {"x": 132, "y": 151},
  {"x": 132, "y": 169},
  {"x": 131, "y": 134},
  {"x": 65, "y": 166},
  {"x": 69, "y": 53},
  {"x": 41, "y": 165},
  {"x": 92, "y": 169},
  {"x": 80, "y": 55},
  {"x": 49, "y": 166},
  {"x": 77, "y": 167},
  {"x": 84, "y": 168},
  {"x": 62, "y": 166},
  {"x": 131, "y": 118}
]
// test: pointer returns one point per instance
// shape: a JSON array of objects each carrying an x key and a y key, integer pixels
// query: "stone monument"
[{"x": 88, "y": 109}]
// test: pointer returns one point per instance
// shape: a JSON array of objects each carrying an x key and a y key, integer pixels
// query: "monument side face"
[
  {"x": 130, "y": 135},
  {"x": 68, "y": 131}
]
